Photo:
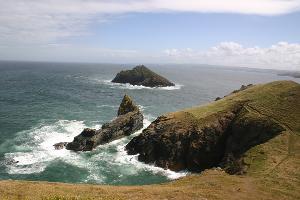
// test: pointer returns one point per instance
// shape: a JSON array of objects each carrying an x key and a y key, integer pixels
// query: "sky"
[{"x": 243, "y": 33}]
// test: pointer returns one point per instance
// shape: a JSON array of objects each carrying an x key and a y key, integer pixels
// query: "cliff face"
[
  {"x": 141, "y": 75},
  {"x": 129, "y": 120},
  {"x": 219, "y": 133},
  {"x": 179, "y": 144}
]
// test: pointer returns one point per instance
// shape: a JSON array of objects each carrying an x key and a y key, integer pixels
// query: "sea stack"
[
  {"x": 141, "y": 75},
  {"x": 128, "y": 121}
]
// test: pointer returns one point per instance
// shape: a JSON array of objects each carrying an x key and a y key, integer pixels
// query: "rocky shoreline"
[{"x": 197, "y": 139}]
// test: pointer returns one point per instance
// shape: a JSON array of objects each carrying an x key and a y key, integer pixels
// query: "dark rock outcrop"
[
  {"x": 178, "y": 145},
  {"x": 127, "y": 106},
  {"x": 218, "y": 98},
  {"x": 129, "y": 120},
  {"x": 141, "y": 75}
]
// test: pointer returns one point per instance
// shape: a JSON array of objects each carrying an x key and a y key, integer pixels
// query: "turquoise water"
[{"x": 45, "y": 103}]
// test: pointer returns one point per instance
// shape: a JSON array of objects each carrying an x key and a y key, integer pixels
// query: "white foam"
[
  {"x": 122, "y": 158},
  {"x": 39, "y": 143},
  {"x": 137, "y": 87},
  {"x": 107, "y": 106}
]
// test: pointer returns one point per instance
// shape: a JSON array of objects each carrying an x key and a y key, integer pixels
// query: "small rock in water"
[
  {"x": 60, "y": 145},
  {"x": 10, "y": 161}
]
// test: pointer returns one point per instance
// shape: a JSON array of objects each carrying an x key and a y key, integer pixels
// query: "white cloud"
[
  {"x": 42, "y": 21},
  {"x": 282, "y": 55}
]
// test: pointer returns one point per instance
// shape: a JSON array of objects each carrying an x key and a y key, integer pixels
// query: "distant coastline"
[{"x": 294, "y": 74}]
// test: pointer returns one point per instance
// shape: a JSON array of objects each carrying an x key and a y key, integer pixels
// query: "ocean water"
[{"x": 45, "y": 103}]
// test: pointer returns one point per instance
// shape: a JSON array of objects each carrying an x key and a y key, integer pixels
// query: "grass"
[
  {"x": 277, "y": 100},
  {"x": 273, "y": 167}
]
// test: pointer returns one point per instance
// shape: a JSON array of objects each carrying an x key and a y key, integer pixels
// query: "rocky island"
[
  {"x": 129, "y": 120},
  {"x": 141, "y": 75}
]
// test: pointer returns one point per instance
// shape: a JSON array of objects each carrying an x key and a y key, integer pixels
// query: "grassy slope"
[{"x": 273, "y": 171}]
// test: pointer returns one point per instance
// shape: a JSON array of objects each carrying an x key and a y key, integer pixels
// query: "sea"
[{"x": 43, "y": 103}]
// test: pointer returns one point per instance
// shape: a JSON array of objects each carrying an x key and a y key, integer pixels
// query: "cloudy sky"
[{"x": 247, "y": 33}]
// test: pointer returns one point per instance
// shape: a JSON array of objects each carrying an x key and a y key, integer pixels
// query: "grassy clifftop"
[
  {"x": 278, "y": 100},
  {"x": 272, "y": 166},
  {"x": 219, "y": 133}
]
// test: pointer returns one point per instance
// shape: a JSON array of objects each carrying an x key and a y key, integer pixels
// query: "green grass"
[{"x": 277, "y": 100}]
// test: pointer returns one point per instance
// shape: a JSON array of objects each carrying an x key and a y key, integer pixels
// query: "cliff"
[{"x": 219, "y": 134}]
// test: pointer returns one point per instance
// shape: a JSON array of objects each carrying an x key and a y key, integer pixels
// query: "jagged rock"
[
  {"x": 127, "y": 106},
  {"x": 177, "y": 145},
  {"x": 88, "y": 132},
  {"x": 141, "y": 75},
  {"x": 129, "y": 120}
]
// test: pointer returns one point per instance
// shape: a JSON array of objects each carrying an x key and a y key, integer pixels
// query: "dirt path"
[{"x": 292, "y": 138}]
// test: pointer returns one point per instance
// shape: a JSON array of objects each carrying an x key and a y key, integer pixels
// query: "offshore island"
[
  {"x": 141, "y": 75},
  {"x": 246, "y": 144}
]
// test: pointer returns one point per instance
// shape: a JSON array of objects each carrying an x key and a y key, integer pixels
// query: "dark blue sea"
[{"x": 45, "y": 103}]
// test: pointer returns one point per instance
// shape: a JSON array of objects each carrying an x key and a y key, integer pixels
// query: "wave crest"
[{"x": 137, "y": 87}]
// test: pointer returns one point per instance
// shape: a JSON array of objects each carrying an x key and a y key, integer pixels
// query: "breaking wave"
[
  {"x": 137, "y": 87},
  {"x": 36, "y": 149}
]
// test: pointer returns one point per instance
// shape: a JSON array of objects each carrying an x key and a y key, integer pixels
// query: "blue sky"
[
  {"x": 246, "y": 33},
  {"x": 194, "y": 30}
]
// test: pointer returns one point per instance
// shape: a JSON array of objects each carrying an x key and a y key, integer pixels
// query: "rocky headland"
[
  {"x": 129, "y": 120},
  {"x": 295, "y": 74},
  {"x": 141, "y": 75},
  {"x": 220, "y": 134}
]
